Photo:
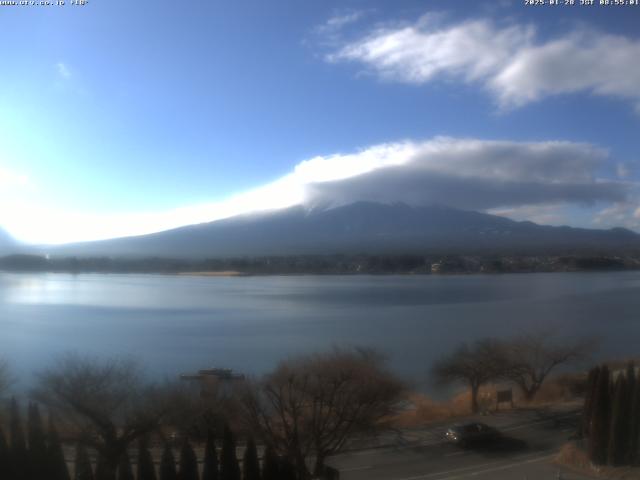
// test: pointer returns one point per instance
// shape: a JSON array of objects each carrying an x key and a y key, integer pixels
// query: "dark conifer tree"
[
  {"x": 18, "y": 449},
  {"x": 287, "y": 469},
  {"x": 37, "y": 450},
  {"x": 210, "y": 469},
  {"x": 592, "y": 382},
  {"x": 125, "y": 472},
  {"x": 83, "y": 469},
  {"x": 599, "y": 427},
  {"x": 270, "y": 470},
  {"x": 168, "y": 465},
  {"x": 634, "y": 424},
  {"x": 250, "y": 462},
  {"x": 188, "y": 462},
  {"x": 617, "y": 440},
  {"x": 146, "y": 469},
  {"x": 631, "y": 377},
  {"x": 5, "y": 458},
  {"x": 56, "y": 462},
  {"x": 630, "y": 389},
  {"x": 229, "y": 467},
  {"x": 103, "y": 472}
]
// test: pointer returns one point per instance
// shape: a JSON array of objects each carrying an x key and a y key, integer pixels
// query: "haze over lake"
[{"x": 175, "y": 324}]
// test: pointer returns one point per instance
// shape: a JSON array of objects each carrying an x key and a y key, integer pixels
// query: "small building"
[{"x": 216, "y": 380}]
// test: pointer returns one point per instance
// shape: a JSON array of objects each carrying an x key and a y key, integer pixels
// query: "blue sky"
[{"x": 121, "y": 118}]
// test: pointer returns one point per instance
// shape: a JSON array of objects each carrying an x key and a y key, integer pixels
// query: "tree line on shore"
[
  {"x": 325, "y": 264},
  {"x": 611, "y": 416}
]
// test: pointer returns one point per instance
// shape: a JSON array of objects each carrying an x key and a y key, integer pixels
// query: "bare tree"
[
  {"x": 311, "y": 406},
  {"x": 474, "y": 365},
  {"x": 195, "y": 411},
  {"x": 532, "y": 357},
  {"x": 107, "y": 401}
]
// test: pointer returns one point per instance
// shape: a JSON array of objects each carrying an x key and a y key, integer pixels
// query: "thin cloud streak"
[
  {"x": 552, "y": 214},
  {"x": 63, "y": 70},
  {"x": 339, "y": 21}
]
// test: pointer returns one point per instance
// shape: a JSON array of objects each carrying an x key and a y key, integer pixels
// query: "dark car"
[{"x": 472, "y": 434}]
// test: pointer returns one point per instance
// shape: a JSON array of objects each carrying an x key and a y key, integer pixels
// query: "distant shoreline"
[
  {"x": 226, "y": 273},
  {"x": 339, "y": 264}
]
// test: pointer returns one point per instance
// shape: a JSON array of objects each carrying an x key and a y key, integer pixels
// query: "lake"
[{"x": 176, "y": 324}]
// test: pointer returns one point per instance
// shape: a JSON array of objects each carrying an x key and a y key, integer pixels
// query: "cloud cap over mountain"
[{"x": 475, "y": 175}]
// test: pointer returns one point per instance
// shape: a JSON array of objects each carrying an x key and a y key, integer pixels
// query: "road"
[{"x": 531, "y": 439}]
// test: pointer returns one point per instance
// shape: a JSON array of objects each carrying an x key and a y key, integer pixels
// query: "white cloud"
[
  {"x": 417, "y": 53},
  {"x": 601, "y": 64},
  {"x": 623, "y": 170},
  {"x": 63, "y": 70},
  {"x": 620, "y": 214},
  {"x": 553, "y": 214},
  {"x": 612, "y": 215},
  {"x": 464, "y": 173},
  {"x": 510, "y": 62}
]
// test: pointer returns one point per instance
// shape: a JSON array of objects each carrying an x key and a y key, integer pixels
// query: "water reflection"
[{"x": 175, "y": 323}]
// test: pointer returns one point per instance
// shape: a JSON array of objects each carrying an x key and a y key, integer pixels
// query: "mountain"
[{"x": 360, "y": 228}]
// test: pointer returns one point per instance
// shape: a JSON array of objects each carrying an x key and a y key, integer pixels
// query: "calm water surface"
[{"x": 179, "y": 323}]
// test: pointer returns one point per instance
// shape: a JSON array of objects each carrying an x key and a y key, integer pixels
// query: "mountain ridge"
[{"x": 361, "y": 227}]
